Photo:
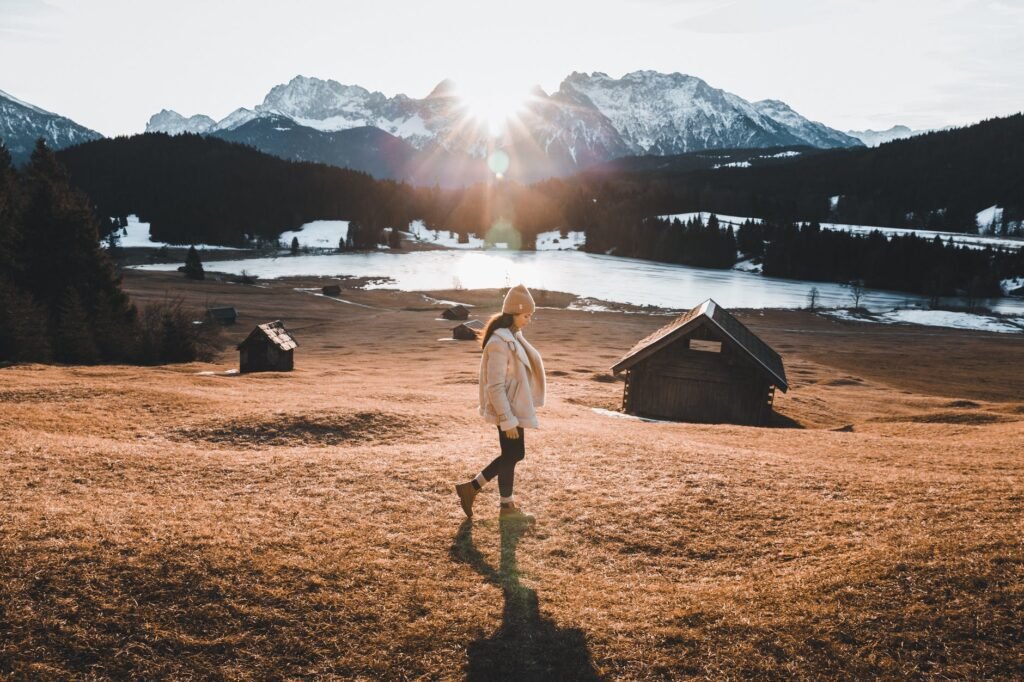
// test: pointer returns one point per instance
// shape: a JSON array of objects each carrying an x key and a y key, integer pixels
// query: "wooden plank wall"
[{"x": 698, "y": 386}]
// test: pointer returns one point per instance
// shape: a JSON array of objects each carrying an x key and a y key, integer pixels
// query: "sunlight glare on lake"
[{"x": 484, "y": 271}]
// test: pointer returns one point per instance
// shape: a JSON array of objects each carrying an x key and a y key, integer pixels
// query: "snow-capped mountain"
[
  {"x": 663, "y": 114},
  {"x": 873, "y": 138},
  {"x": 811, "y": 132},
  {"x": 591, "y": 118},
  {"x": 21, "y": 124},
  {"x": 173, "y": 123}
]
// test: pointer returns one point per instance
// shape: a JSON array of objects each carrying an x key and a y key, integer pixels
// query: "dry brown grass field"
[{"x": 159, "y": 522}]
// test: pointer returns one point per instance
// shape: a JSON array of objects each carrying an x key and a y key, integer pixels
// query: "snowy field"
[
  {"x": 546, "y": 241},
  {"x": 553, "y": 241},
  {"x": 970, "y": 240},
  {"x": 319, "y": 234},
  {"x": 421, "y": 233},
  {"x": 939, "y": 318},
  {"x": 136, "y": 234}
]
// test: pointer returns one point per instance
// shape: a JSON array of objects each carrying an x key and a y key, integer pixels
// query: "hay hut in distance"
[
  {"x": 223, "y": 315},
  {"x": 268, "y": 348},
  {"x": 467, "y": 331},
  {"x": 456, "y": 312},
  {"x": 704, "y": 366}
]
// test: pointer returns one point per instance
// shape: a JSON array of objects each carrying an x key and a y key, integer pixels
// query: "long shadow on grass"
[{"x": 527, "y": 646}]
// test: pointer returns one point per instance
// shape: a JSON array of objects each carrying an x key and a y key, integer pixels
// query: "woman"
[{"x": 512, "y": 386}]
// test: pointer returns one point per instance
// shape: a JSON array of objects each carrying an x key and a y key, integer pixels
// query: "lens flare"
[
  {"x": 498, "y": 161},
  {"x": 504, "y": 233}
]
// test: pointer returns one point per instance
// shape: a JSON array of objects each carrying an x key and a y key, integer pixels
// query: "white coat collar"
[{"x": 506, "y": 334}]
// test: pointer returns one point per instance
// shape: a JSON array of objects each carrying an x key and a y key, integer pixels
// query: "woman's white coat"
[{"x": 512, "y": 384}]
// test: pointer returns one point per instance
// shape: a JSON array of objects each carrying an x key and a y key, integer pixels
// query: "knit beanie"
[{"x": 518, "y": 300}]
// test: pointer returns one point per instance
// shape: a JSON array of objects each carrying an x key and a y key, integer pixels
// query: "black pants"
[{"x": 504, "y": 465}]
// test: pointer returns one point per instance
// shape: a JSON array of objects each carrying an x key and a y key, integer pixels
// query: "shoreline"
[
  {"x": 355, "y": 289},
  {"x": 137, "y": 258}
]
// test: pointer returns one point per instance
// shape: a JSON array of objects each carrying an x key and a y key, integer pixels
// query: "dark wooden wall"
[
  {"x": 698, "y": 386},
  {"x": 258, "y": 355}
]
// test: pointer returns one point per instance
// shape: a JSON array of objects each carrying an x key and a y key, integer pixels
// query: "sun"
[{"x": 492, "y": 108}]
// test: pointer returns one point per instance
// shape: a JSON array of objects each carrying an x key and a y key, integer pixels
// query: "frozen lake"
[{"x": 609, "y": 278}]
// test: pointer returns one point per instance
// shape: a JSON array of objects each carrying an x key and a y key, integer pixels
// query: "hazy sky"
[{"x": 111, "y": 64}]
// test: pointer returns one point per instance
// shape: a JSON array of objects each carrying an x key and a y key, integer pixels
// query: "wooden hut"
[
  {"x": 705, "y": 366},
  {"x": 268, "y": 348},
  {"x": 224, "y": 315},
  {"x": 467, "y": 331},
  {"x": 456, "y": 312},
  {"x": 332, "y": 290}
]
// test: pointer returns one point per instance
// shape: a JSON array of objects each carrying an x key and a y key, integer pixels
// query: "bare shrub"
[{"x": 170, "y": 332}]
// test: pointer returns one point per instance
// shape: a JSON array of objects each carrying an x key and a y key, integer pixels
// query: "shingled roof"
[
  {"x": 274, "y": 331},
  {"x": 744, "y": 340}
]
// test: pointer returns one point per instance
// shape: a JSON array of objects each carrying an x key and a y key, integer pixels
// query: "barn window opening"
[{"x": 706, "y": 346}]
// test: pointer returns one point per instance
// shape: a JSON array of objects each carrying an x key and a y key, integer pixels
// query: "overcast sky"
[{"x": 111, "y": 64}]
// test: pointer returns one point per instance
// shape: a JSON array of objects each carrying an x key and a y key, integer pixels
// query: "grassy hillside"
[{"x": 162, "y": 522}]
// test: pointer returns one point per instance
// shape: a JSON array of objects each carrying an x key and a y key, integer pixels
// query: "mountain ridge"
[
  {"x": 21, "y": 124},
  {"x": 592, "y": 118}
]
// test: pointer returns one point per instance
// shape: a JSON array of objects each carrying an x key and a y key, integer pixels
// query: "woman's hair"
[{"x": 497, "y": 321}]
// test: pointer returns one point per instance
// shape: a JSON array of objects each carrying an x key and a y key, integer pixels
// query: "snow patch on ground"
[
  {"x": 938, "y": 318},
  {"x": 136, "y": 234},
  {"x": 973, "y": 241},
  {"x": 833, "y": 202},
  {"x": 446, "y": 238},
  {"x": 441, "y": 301},
  {"x": 733, "y": 220},
  {"x": 748, "y": 266},
  {"x": 1010, "y": 285},
  {"x": 734, "y": 164},
  {"x": 553, "y": 241},
  {"x": 621, "y": 415},
  {"x": 318, "y": 291},
  {"x": 588, "y": 305},
  {"x": 319, "y": 234},
  {"x": 987, "y": 216},
  {"x": 970, "y": 240}
]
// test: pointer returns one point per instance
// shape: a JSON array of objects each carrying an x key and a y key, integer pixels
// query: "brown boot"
[
  {"x": 466, "y": 492},
  {"x": 511, "y": 513}
]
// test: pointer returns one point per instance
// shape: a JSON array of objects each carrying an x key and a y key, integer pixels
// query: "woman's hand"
[{"x": 512, "y": 434}]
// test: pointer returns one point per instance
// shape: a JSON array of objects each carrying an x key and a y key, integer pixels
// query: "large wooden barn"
[
  {"x": 705, "y": 366},
  {"x": 268, "y": 348}
]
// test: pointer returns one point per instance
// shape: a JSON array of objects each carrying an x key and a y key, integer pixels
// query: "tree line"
[
  {"x": 60, "y": 294},
  {"x": 907, "y": 262},
  {"x": 936, "y": 181},
  {"x": 194, "y": 189}
]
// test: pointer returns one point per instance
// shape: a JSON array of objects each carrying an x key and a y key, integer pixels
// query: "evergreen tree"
[
  {"x": 295, "y": 246},
  {"x": 10, "y": 200},
  {"x": 62, "y": 264},
  {"x": 72, "y": 332},
  {"x": 26, "y": 335},
  {"x": 24, "y": 323},
  {"x": 194, "y": 266}
]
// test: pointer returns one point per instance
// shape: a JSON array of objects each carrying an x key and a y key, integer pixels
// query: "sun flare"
[{"x": 493, "y": 109}]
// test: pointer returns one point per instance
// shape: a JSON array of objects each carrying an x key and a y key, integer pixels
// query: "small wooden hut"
[
  {"x": 467, "y": 331},
  {"x": 456, "y": 312},
  {"x": 332, "y": 290},
  {"x": 705, "y": 366},
  {"x": 223, "y": 315},
  {"x": 268, "y": 348}
]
